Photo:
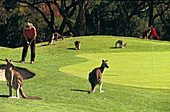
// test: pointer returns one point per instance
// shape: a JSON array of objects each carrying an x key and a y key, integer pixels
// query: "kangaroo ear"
[
  {"x": 106, "y": 61},
  {"x": 11, "y": 60},
  {"x": 103, "y": 61},
  {"x": 6, "y": 60}
]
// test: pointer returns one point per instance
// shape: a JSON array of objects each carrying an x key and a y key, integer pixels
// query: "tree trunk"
[
  {"x": 81, "y": 20},
  {"x": 66, "y": 19},
  {"x": 151, "y": 14}
]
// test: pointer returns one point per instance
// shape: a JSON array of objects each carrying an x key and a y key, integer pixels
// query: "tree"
[
  {"x": 11, "y": 31},
  {"x": 126, "y": 18},
  {"x": 161, "y": 7},
  {"x": 3, "y": 12},
  {"x": 95, "y": 14},
  {"x": 81, "y": 19},
  {"x": 67, "y": 12},
  {"x": 50, "y": 18}
]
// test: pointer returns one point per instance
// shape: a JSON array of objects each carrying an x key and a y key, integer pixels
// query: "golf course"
[{"x": 137, "y": 80}]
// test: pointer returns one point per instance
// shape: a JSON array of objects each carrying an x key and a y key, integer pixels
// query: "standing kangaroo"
[
  {"x": 96, "y": 77},
  {"x": 15, "y": 80},
  {"x": 77, "y": 44},
  {"x": 56, "y": 36},
  {"x": 121, "y": 44}
]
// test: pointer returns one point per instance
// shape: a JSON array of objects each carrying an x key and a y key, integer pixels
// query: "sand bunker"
[{"x": 26, "y": 74}]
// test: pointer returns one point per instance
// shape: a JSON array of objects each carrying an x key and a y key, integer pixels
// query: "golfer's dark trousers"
[{"x": 25, "y": 50}]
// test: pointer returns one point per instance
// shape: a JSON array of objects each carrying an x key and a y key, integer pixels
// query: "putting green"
[{"x": 130, "y": 69}]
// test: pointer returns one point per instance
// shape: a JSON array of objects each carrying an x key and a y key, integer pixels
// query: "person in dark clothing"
[{"x": 29, "y": 34}]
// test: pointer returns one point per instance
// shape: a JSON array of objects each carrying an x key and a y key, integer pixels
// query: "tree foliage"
[
  {"x": 83, "y": 17},
  {"x": 11, "y": 31}
]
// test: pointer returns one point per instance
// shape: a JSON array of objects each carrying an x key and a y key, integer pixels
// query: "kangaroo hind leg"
[
  {"x": 100, "y": 88},
  {"x": 17, "y": 90},
  {"x": 16, "y": 86},
  {"x": 93, "y": 86},
  {"x": 10, "y": 91}
]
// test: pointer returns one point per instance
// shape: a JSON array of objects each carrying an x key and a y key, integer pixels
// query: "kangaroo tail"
[{"x": 27, "y": 97}]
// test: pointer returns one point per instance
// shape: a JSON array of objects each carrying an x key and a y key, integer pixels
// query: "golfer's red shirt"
[{"x": 30, "y": 33}]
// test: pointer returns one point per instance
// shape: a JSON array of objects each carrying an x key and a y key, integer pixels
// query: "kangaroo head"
[
  {"x": 10, "y": 64},
  {"x": 104, "y": 63}
]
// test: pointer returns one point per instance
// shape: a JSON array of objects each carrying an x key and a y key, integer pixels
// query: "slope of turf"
[{"x": 65, "y": 92}]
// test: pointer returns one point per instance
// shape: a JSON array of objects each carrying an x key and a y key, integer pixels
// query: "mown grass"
[
  {"x": 125, "y": 67},
  {"x": 66, "y": 92}
]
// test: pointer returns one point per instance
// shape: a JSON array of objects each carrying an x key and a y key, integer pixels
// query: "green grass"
[
  {"x": 62, "y": 77},
  {"x": 125, "y": 67}
]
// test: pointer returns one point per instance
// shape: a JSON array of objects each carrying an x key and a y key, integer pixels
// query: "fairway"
[
  {"x": 62, "y": 76},
  {"x": 130, "y": 69}
]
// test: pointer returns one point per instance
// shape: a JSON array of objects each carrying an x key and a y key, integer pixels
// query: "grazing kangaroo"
[
  {"x": 77, "y": 44},
  {"x": 15, "y": 80},
  {"x": 121, "y": 44},
  {"x": 96, "y": 77}
]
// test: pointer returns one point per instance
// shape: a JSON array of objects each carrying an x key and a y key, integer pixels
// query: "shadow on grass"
[
  {"x": 115, "y": 47},
  {"x": 45, "y": 45},
  {"x": 4, "y": 96},
  {"x": 71, "y": 48},
  {"x": 2, "y": 59},
  {"x": 80, "y": 90}
]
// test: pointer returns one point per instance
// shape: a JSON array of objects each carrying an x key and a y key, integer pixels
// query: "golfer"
[{"x": 29, "y": 34}]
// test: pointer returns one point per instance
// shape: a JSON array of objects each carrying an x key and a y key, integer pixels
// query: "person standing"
[{"x": 29, "y": 34}]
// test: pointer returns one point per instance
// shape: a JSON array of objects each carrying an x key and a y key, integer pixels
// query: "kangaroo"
[
  {"x": 15, "y": 80},
  {"x": 147, "y": 34},
  {"x": 121, "y": 44},
  {"x": 77, "y": 44},
  {"x": 55, "y": 36},
  {"x": 96, "y": 77}
]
